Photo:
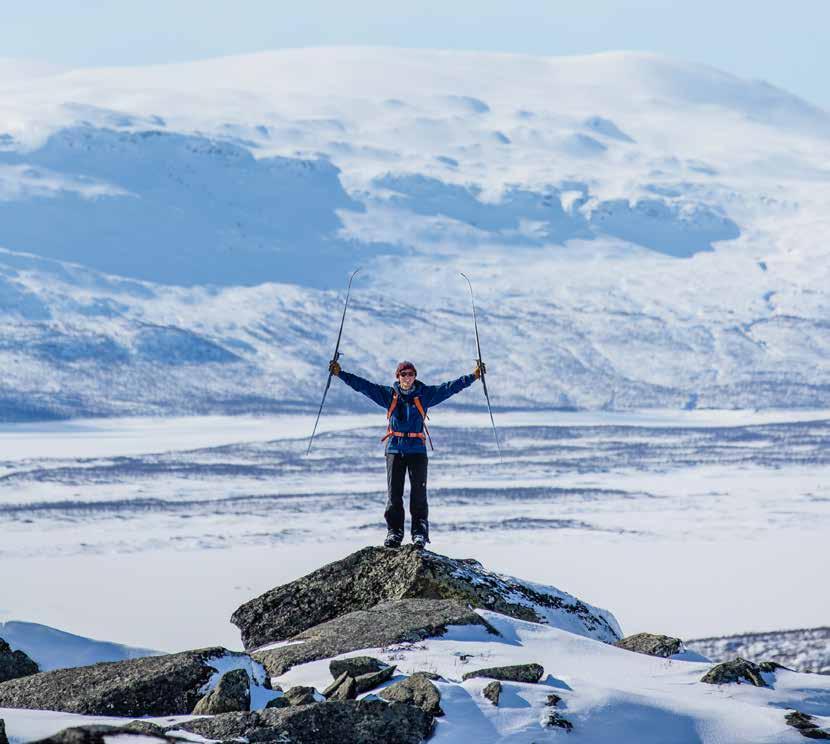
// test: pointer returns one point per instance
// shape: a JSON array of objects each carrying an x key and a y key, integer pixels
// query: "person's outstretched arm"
[
  {"x": 380, "y": 394},
  {"x": 434, "y": 394}
]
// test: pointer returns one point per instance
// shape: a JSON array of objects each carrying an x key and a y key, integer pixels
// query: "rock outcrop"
[
  {"x": 356, "y": 666},
  {"x": 415, "y": 690},
  {"x": 151, "y": 686},
  {"x": 736, "y": 671},
  {"x": 805, "y": 725},
  {"x": 404, "y": 620},
  {"x": 517, "y": 673},
  {"x": 232, "y": 693},
  {"x": 492, "y": 691},
  {"x": 15, "y": 664},
  {"x": 3, "y": 738},
  {"x": 375, "y": 575},
  {"x": 651, "y": 644},
  {"x": 353, "y": 721}
]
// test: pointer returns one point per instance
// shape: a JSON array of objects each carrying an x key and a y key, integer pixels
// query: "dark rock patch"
[
  {"x": 3, "y": 738},
  {"x": 806, "y": 726},
  {"x": 366, "y": 682},
  {"x": 355, "y": 666},
  {"x": 651, "y": 644},
  {"x": 736, "y": 671},
  {"x": 353, "y": 721},
  {"x": 493, "y": 691},
  {"x": 431, "y": 675},
  {"x": 300, "y": 695},
  {"x": 278, "y": 702},
  {"x": 555, "y": 720},
  {"x": 151, "y": 686},
  {"x": 415, "y": 690},
  {"x": 15, "y": 664},
  {"x": 375, "y": 575},
  {"x": 232, "y": 693},
  {"x": 345, "y": 690},
  {"x": 404, "y": 620},
  {"x": 516, "y": 673},
  {"x": 553, "y": 700}
]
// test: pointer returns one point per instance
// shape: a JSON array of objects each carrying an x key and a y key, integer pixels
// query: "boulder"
[
  {"x": 300, "y": 695},
  {"x": 399, "y": 621},
  {"x": 415, "y": 690},
  {"x": 343, "y": 688},
  {"x": 151, "y": 686},
  {"x": 232, "y": 693},
  {"x": 103, "y": 734},
  {"x": 651, "y": 644},
  {"x": 3, "y": 738},
  {"x": 736, "y": 671},
  {"x": 355, "y": 666},
  {"x": 492, "y": 691},
  {"x": 517, "y": 673},
  {"x": 366, "y": 682},
  {"x": 277, "y": 702},
  {"x": 15, "y": 664},
  {"x": 353, "y": 721},
  {"x": 374, "y": 575},
  {"x": 805, "y": 724}
]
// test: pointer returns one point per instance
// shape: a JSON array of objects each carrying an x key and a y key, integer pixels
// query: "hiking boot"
[
  {"x": 419, "y": 541},
  {"x": 394, "y": 538}
]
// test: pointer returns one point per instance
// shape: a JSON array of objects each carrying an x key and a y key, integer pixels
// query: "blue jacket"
[{"x": 405, "y": 417}]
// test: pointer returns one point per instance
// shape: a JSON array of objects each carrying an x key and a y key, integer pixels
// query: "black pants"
[{"x": 396, "y": 467}]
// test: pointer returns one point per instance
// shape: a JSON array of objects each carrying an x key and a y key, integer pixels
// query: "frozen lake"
[{"x": 152, "y": 531}]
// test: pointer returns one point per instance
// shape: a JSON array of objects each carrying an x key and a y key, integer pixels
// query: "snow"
[
  {"x": 55, "y": 649},
  {"x": 674, "y": 523},
  {"x": 260, "y": 694},
  {"x": 609, "y": 695},
  {"x": 617, "y": 253}
]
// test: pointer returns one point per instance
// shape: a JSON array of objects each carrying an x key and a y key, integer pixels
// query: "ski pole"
[
  {"x": 335, "y": 358},
  {"x": 479, "y": 362}
]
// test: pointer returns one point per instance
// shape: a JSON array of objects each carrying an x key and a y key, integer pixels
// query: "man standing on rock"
[{"x": 406, "y": 401}]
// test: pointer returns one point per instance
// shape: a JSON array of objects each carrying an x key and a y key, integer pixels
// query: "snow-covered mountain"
[{"x": 640, "y": 232}]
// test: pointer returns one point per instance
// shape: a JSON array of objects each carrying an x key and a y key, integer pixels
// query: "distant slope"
[
  {"x": 641, "y": 232},
  {"x": 805, "y": 650}
]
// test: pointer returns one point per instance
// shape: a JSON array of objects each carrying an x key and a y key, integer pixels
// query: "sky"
[{"x": 786, "y": 44}]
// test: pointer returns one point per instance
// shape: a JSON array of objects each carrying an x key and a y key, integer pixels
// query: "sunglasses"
[{"x": 406, "y": 374}]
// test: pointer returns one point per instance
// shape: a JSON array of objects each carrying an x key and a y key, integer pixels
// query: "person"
[{"x": 407, "y": 402}]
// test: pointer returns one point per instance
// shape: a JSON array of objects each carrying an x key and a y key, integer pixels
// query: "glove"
[
  {"x": 334, "y": 367},
  {"x": 481, "y": 369}
]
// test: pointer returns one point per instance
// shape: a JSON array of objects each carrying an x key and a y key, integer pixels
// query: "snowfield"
[
  {"x": 677, "y": 524},
  {"x": 641, "y": 232}
]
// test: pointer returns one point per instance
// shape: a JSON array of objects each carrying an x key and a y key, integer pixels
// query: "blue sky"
[{"x": 787, "y": 44}]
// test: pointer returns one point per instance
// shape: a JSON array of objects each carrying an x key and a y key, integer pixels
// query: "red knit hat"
[{"x": 405, "y": 365}]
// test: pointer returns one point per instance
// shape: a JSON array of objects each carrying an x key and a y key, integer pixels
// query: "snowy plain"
[{"x": 675, "y": 522}]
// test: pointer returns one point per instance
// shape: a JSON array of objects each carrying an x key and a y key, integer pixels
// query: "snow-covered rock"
[
  {"x": 155, "y": 685},
  {"x": 364, "y": 579}
]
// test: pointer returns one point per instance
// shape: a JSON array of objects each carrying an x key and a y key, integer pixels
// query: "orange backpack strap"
[
  {"x": 392, "y": 404},
  {"x": 424, "y": 416}
]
